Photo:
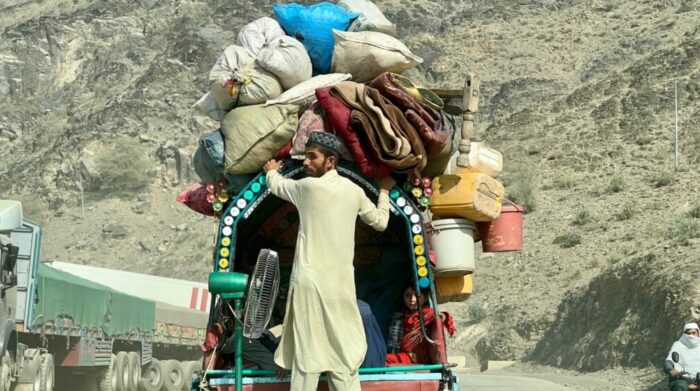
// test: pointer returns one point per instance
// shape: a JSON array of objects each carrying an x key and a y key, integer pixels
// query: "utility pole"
[{"x": 675, "y": 87}]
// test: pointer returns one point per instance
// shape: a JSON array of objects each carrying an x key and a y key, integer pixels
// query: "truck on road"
[{"x": 53, "y": 322}]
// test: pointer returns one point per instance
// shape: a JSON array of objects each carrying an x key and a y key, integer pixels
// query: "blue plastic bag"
[{"x": 313, "y": 26}]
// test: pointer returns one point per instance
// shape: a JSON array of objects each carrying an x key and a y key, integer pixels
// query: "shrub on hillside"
[
  {"x": 662, "y": 179},
  {"x": 476, "y": 312},
  {"x": 124, "y": 168},
  {"x": 522, "y": 188},
  {"x": 568, "y": 240},
  {"x": 694, "y": 212},
  {"x": 683, "y": 230},
  {"x": 616, "y": 185},
  {"x": 583, "y": 217},
  {"x": 627, "y": 212}
]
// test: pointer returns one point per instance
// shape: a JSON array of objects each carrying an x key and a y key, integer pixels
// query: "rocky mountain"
[{"x": 578, "y": 95}]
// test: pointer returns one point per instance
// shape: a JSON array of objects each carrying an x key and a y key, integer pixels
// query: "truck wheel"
[
  {"x": 47, "y": 372},
  {"x": 30, "y": 372},
  {"x": 173, "y": 378},
  {"x": 123, "y": 372},
  {"x": 153, "y": 377},
  {"x": 6, "y": 372},
  {"x": 189, "y": 368},
  {"x": 109, "y": 379},
  {"x": 134, "y": 371}
]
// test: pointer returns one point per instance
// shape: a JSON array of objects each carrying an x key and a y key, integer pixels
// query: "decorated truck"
[
  {"x": 57, "y": 322},
  {"x": 429, "y": 242}
]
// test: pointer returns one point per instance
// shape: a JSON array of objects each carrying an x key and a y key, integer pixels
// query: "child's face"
[{"x": 410, "y": 300}]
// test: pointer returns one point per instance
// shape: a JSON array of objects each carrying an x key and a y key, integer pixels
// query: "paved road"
[{"x": 497, "y": 382}]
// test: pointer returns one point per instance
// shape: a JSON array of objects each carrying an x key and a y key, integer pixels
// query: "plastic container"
[
  {"x": 453, "y": 288},
  {"x": 504, "y": 233},
  {"x": 470, "y": 195},
  {"x": 481, "y": 159},
  {"x": 452, "y": 240}
]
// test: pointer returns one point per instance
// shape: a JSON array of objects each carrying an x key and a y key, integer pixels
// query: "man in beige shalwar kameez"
[{"x": 323, "y": 329}]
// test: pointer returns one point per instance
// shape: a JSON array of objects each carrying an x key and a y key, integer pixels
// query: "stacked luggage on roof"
[{"x": 338, "y": 68}]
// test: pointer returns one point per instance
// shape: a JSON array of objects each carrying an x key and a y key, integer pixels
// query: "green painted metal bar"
[
  {"x": 238, "y": 303},
  {"x": 363, "y": 371}
]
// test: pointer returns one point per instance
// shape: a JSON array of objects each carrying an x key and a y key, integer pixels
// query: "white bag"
[
  {"x": 367, "y": 54},
  {"x": 206, "y": 105},
  {"x": 304, "y": 94},
  {"x": 371, "y": 17},
  {"x": 287, "y": 59},
  {"x": 257, "y": 34},
  {"x": 237, "y": 80}
]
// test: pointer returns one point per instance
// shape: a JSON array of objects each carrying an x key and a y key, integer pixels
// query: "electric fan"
[{"x": 261, "y": 295}]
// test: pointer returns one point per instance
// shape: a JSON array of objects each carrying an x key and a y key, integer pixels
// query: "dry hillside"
[{"x": 578, "y": 95}]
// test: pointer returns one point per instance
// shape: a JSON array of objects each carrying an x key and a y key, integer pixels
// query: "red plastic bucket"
[{"x": 504, "y": 233}]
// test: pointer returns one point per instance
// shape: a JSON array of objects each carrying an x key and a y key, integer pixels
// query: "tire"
[
  {"x": 173, "y": 377},
  {"x": 109, "y": 379},
  {"x": 152, "y": 379},
  {"x": 6, "y": 372},
  {"x": 134, "y": 371},
  {"x": 189, "y": 368},
  {"x": 123, "y": 372},
  {"x": 47, "y": 372},
  {"x": 30, "y": 373}
]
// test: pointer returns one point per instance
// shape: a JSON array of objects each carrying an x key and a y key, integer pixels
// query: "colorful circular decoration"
[
  {"x": 226, "y": 241},
  {"x": 248, "y": 195},
  {"x": 223, "y": 263},
  {"x": 401, "y": 202},
  {"x": 408, "y": 209},
  {"x": 255, "y": 187},
  {"x": 262, "y": 180},
  {"x": 419, "y": 250},
  {"x": 224, "y": 252},
  {"x": 228, "y": 220},
  {"x": 416, "y": 229},
  {"x": 417, "y": 192},
  {"x": 217, "y": 206},
  {"x": 421, "y": 261},
  {"x": 407, "y": 186},
  {"x": 415, "y": 218},
  {"x": 241, "y": 203},
  {"x": 227, "y": 231},
  {"x": 422, "y": 271},
  {"x": 418, "y": 239},
  {"x": 222, "y": 196},
  {"x": 424, "y": 201},
  {"x": 235, "y": 212},
  {"x": 423, "y": 282},
  {"x": 394, "y": 194}
]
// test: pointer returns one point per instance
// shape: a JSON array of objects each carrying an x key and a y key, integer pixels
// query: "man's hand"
[
  {"x": 386, "y": 183},
  {"x": 674, "y": 374},
  {"x": 281, "y": 372},
  {"x": 272, "y": 164},
  {"x": 692, "y": 387}
]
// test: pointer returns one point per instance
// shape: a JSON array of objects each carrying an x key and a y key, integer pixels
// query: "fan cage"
[{"x": 262, "y": 292}]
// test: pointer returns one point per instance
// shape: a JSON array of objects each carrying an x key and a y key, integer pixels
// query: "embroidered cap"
[{"x": 326, "y": 140}]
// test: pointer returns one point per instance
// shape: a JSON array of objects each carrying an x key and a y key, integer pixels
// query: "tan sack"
[
  {"x": 287, "y": 59},
  {"x": 371, "y": 17},
  {"x": 206, "y": 105},
  {"x": 304, "y": 94},
  {"x": 367, "y": 54},
  {"x": 257, "y": 34},
  {"x": 253, "y": 134},
  {"x": 237, "y": 80}
]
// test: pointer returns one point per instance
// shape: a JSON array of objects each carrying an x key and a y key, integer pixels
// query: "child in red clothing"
[{"x": 414, "y": 348}]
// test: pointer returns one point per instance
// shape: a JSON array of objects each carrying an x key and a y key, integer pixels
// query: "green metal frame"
[{"x": 248, "y": 200}]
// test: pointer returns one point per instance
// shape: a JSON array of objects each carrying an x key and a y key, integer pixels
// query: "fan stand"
[{"x": 231, "y": 286}]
